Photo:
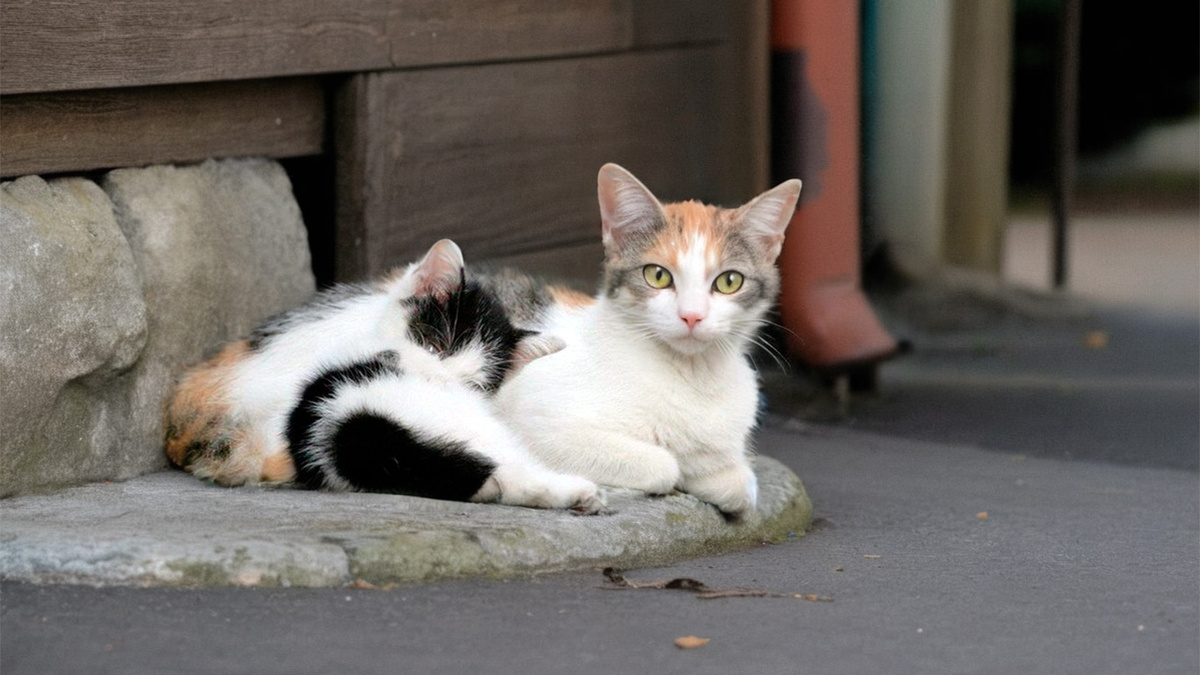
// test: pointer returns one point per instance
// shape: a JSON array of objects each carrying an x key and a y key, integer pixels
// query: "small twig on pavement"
[{"x": 701, "y": 590}]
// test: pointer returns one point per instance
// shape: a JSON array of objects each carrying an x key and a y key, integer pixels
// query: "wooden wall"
[{"x": 481, "y": 120}]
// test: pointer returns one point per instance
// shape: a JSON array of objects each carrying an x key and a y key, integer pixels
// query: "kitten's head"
[
  {"x": 464, "y": 323},
  {"x": 690, "y": 275}
]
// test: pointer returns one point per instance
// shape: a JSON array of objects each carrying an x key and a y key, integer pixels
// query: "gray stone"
[
  {"x": 104, "y": 298},
  {"x": 72, "y": 320},
  {"x": 220, "y": 246},
  {"x": 171, "y": 529}
]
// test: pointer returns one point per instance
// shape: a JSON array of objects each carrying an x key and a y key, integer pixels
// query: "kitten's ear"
[
  {"x": 531, "y": 347},
  {"x": 767, "y": 216},
  {"x": 626, "y": 206},
  {"x": 440, "y": 272}
]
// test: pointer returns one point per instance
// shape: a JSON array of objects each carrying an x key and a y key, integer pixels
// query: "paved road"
[
  {"x": 1086, "y": 562},
  {"x": 1119, "y": 386}
]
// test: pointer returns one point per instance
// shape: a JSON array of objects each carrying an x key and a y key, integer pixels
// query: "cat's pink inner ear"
[
  {"x": 626, "y": 206},
  {"x": 440, "y": 272},
  {"x": 766, "y": 217}
]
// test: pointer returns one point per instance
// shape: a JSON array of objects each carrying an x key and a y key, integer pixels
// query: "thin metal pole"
[{"x": 1065, "y": 132}]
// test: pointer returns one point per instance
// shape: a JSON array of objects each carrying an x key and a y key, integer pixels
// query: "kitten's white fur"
[
  {"x": 639, "y": 398},
  {"x": 431, "y": 395}
]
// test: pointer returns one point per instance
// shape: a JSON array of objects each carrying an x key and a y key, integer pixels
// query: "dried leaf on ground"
[
  {"x": 690, "y": 642},
  {"x": 368, "y": 586},
  {"x": 1096, "y": 339}
]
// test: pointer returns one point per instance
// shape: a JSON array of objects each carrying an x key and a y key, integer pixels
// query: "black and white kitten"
[{"x": 381, "y": 388}]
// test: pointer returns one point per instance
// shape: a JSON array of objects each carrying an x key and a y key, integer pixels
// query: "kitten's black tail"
[
  {"x": 378, "y": 454},
  {"x": 366, "y": 450}
]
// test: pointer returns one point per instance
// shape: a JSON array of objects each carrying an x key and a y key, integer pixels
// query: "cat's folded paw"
[
  {"x": 542, "y": 489},
  {"x": 733, "y": 490},
  {"x": 737, "y": 507},
  {"x": 580, "y": 495},
  {"x": 655, "y": 474},
  {"x": 589, "y": 505}
]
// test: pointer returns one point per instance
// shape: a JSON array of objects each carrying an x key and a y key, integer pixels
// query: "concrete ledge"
[{"x": 168, "y": 528}]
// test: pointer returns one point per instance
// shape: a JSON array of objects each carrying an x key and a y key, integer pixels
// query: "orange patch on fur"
[
  {"x": 687, "y": 222},
  {"x": 569, "y": 297},
  {"x": 198, "y": 408},
  {"x": 278, "y": 467}
]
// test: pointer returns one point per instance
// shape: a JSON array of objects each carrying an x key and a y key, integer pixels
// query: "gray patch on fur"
[
  {"x": 616, "y": 278},
  {"x": 524, "y": 298}
]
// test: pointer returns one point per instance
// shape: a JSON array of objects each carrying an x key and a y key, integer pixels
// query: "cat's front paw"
[
  {"x": 587, "y": 504},
  {"x": 542, "y": 489},
  {"x": 655, "y": 474},
  {"x": 575, "y": 493},
  {"x": 733, "y": 490}
]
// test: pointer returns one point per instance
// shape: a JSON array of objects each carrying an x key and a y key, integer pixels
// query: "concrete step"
[{"x": 168, "y": 528}]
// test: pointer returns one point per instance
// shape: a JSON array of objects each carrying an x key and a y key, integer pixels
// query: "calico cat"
[
  {"x": 382, "y": 388},
  {"x": 654, "y": 390}
]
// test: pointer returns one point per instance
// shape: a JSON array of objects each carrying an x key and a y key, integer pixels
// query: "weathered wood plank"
[
  {"x": 679, "y": 22},
  {"x": 744, "y": 103},
  {"x": 81, "y": 131},
  {"x": 95, "y": 44},
  {"x": 357, "y": 181},
  {"x": 503, "y": 158},
  {"x": 438, "y": 32}
]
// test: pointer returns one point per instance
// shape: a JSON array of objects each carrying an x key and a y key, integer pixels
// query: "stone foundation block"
[{"x": 106, "y": 293}]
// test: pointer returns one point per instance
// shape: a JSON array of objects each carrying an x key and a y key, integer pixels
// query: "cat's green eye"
[
  {"x": 729, "y": 282},
  {"x": 657, "y": 276}
]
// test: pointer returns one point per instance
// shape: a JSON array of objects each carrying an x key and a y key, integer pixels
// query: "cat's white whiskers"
[
  {"x": 773, "y": 352},
  {"x": 644, "y": 331},
  {"x": 755, "y": 335},
  {"x": 766, "y": 322}
]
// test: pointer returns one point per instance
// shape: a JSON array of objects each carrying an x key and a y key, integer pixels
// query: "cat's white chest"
[
  {"x": 605, "y": 380},
  {"x": 703, "y": 410}
]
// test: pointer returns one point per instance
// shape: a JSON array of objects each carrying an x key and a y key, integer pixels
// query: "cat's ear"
[
  {"x": 533, "y": 346},
  {"x": 767, "y": 216},
  {"x": 440, "y": 272},
  {"x": 626, "y": 206}
]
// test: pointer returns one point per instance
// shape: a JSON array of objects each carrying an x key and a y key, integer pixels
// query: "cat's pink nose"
[{"x": 691, "y": 319}]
